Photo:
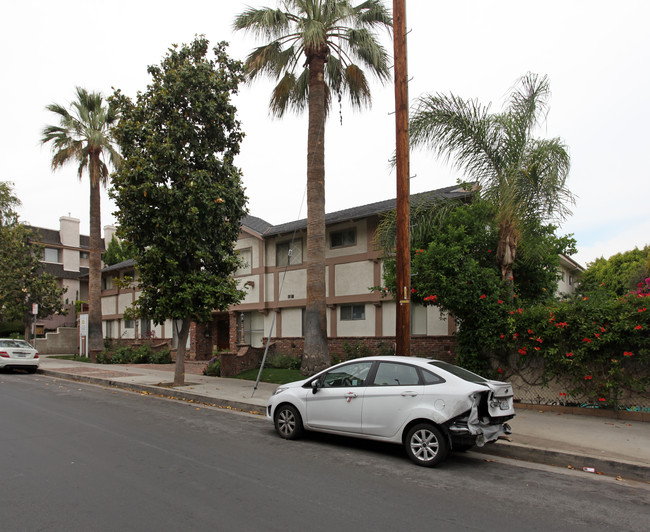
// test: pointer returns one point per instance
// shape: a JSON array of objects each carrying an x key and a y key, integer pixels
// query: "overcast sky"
[{"x": 595, "y": 53}]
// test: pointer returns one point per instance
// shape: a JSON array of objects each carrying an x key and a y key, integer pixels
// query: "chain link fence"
[{"x": 530, "y": 387}]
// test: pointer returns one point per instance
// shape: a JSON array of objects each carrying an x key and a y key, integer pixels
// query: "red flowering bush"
[{"x": 597, "y": 343}]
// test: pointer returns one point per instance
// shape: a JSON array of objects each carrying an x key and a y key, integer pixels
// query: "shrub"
[
  {"x": 280, "y": 361},
  {"x": 598, "y": 344},
  {"x": 213, "y": 369},
  {"x": 358, "y": 350},
  {"x": 141, "y": 354},
  {"x": 104, "y": 357},
  {"x": 122, "y": 355},
  {"x": 162, "y": 356}
]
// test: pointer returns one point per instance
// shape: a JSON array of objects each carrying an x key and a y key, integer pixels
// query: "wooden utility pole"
[{"x": 403, "y": 245}]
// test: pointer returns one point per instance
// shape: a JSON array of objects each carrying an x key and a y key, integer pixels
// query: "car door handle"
[
  {"x": 409, "y": 394},
  {"x": 350, "y": 395}
]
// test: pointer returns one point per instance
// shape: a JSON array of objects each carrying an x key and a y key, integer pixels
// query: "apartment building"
[
  {"x": 274, "y": 277},
  {"x": 66, "y": 257}
]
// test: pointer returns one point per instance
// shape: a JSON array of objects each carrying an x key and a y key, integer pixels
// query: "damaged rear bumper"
[{"x": 478, "y": 427}]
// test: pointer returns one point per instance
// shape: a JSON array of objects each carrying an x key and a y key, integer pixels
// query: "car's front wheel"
[
  {"x": 288, "y": 423},
  {"x": 426, "y": 445}
]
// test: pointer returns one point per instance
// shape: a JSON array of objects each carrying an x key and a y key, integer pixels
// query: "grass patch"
[
  {"x": 272, "y": 375},
  {"x": 76, "y": 358}
]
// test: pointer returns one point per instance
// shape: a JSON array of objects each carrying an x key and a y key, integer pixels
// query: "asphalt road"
[{"x": 77, "y": 457}]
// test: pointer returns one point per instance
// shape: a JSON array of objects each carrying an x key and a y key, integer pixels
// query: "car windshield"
[{"x": 459, "y": 372}]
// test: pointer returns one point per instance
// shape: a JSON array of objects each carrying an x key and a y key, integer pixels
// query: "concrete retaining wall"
[{"x": 65, "y": 341}]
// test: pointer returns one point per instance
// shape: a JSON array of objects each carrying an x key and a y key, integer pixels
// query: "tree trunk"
[
  {"x": 506, "y": 254},
  {"x": 316, "y": 354},
  {"x": 95, "y": 336},
  {"x": 179, "y": 368}
]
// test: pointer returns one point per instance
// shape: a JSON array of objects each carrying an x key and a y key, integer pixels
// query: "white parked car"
[
  {"x": 429, "y": 406},
  {"x": 18, "y": 354}
]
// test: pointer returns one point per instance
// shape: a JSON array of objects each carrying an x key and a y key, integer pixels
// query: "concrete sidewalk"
[{"x": 604, "y": 445}]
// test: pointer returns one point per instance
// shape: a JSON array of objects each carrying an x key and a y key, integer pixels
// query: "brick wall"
[
  {"x": 244, "y": 359},
  {"x": 202, "y": 339},
  {"x": 440, "y": 347}
]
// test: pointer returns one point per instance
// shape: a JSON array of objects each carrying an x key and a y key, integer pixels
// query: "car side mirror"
[{"x": 314, "y": 386}]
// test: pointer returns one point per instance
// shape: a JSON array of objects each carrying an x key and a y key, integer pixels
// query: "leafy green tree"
[
  {"x": 454, "y": 268},
  {"x": 619, "y": 274},
  {"x": 22, "y": 280},
  {"x": 117, "y": 251},
  {"x": 179, "y": 195},
  {"x": 310, "y": 52},
  {"x": 83, "y": 137},
  {"x": 8, "y": 204},
  {"x": 522, "y": 176}
]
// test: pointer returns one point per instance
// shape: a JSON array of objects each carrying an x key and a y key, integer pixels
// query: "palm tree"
[
  {"x": 330, "y": 34},
  {"x": 83, "y": 136},
  {"x": 522, "y": 176}
]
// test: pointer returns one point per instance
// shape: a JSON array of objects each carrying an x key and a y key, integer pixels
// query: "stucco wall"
[{"x": 353, "y": 278}]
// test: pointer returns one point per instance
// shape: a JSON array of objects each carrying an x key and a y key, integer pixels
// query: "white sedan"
[
  {"x": 429, "y": 406},
  {"x": 18, "y": 354}
]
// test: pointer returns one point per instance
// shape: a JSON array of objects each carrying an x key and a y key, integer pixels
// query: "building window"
[
  {"x": 84, "y": 255},
  {"x": 353, "y": 312},
  {"x": 344, "y": 238},
  {"x": 251, "y": 329},
  {"x": 129, "y": 324},
  {"x": 288, "y": 253},
  {"x": 107, "y": 282},
  {"x": 570, "y": 280},
  {"x": 108, "y": 324},
  {"x": 51, "y": 255},
  {"x": 246, "y": 258},
  {"x": 145, "y": 329}
]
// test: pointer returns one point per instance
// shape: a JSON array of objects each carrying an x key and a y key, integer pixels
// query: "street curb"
[
  {"x": 605, "y": 466},
  {"x": 615, "y": 468},
  {"x": 161, "y": 391}
]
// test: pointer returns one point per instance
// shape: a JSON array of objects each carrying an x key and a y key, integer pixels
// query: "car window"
[
  {"x": 392, "y": 374},
  {"x": 459, "y": 372},
  {"x": 344, "y": 376},
  {"x": 431, "y": 378}
]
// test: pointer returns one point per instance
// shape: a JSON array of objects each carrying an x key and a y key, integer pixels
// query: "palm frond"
[
  {"x": 365, "y": 46},
  {"x": 265, "y": 22},
  {"x": 290, "y": 93},
  {"x": 356, "y": 86},
  {"x": 529, "y": 101},
  {"x": 270, "y": 60},
  {"x": 330, "y": 28},
  {"x": 460, "y": 129},
  {"x": 83, "y": 134},
  {"x": 373, "y": 13}
]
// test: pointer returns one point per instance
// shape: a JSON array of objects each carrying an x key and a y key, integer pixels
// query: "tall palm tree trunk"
[
  {"x": 95, "y": 337},
  {"x": 316, "y": 354},
  {"x": 507, "y": 253}
]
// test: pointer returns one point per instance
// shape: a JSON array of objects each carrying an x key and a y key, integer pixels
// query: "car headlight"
[{"x": 280, "y": 389}]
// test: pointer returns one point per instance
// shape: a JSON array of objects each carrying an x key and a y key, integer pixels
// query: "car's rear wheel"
[
  {"x": 426, "y": 445},
  {"x": 31, "y": 369},
  {"x": 288, "y": 423}
]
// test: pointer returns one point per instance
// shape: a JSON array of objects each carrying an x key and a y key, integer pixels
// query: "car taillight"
[
  {"x": 4, "y": 354},
  {"x": 36, "y": 355}
]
